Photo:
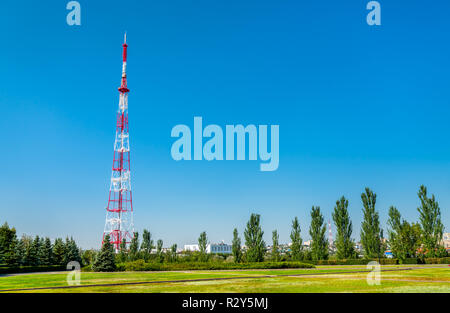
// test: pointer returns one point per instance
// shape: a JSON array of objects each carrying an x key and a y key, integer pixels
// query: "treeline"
[
  {"x": 421, "y": 240},
  {"x": 416, "y": 240},
  {"x": 28, "y": 251}
]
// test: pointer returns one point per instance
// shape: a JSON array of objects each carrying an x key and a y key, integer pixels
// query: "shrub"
[
  {"x": 437, "y": 260},
  {"x": 140, "y": 265},
  {"x": 408, "y": 261},
  {"x": 31, "y": 269}
]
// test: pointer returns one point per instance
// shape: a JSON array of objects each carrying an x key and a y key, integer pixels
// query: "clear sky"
[{"x": 357, "y": 106}]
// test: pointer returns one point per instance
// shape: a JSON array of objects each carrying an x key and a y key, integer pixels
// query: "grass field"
[{"x": 397, "y": 279}]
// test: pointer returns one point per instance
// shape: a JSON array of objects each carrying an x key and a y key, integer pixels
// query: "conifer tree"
[
  {"x": 20, "y": 252},
  {"x": 8, "y": 242},
  {"x": 72, "y": 252},
  {"x": 43, "y": 255},
  {"x": 105, "y": 261},
  {"x": 59, "y": 252},
  {"x": 34, "y": 251}
]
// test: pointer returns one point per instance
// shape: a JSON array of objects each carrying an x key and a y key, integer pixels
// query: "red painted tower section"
[{"x": 119, "y": 212}]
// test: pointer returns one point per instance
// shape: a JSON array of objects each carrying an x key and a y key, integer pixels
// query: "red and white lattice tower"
[{"x": 119, "y": 213}]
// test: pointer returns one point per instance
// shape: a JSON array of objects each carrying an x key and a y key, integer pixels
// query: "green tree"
[
  {"x": 20, "y": 252},
  {"x": 430, "y": 220},
  {"x": 59, "y": 252},
  {"x": 296, "y": 240},
  {"x": 404, "y": 238},
  {"x": 134, "y": 247},
  {"x": 202, "y": 244},
  {"x": 256, "y": 247},
  {"x": 123, "y": 253},
  {"x": 45, "y": 252},
  {"x": 275, "y": 246},
  {"x": 72, "y": 252},
  {"x": 8, "y": 245},
  {"x": 147, "y": 244},
  {"x": 12, "y": 257},
  {"x": 344, "y": 229},
  {"x": 394, "y": 233},
  {"x": 319, "y": 243},
  {"x": 236, "y": 247},
  {"x": 8, "y": 241},
  {"x": 371, "y": 233},
  {"x": 159, "y": 247},
  {"x": 34, "y": 252},
  {"x": 105, "y": 261},
  {"x": 88, "y": 256}
]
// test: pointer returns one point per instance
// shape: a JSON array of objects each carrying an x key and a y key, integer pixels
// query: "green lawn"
[{"x": 420, "y": 279}]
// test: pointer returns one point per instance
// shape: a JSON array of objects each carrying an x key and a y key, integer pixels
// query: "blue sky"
[{"x": 357, "y": 106}]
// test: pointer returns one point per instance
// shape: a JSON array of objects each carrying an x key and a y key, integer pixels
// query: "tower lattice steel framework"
[{"x": 119, "y": 213}]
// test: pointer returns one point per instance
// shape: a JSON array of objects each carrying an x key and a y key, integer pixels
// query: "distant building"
[
  {"x": 446, "y": 240},
  {"x": 211, "y": 248},
  {"x": 358, "y": 246}
]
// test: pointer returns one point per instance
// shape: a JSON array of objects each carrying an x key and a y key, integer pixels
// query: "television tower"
[{"x": 119, "y": 213}]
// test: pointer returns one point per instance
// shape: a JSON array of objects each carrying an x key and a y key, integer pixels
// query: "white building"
[{"x": 211, "y": 248}]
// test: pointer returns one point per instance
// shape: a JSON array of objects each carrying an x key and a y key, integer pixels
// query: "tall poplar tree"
[
  {"x": 296, "y": 240},
  {"x": 202, "y": 244},
  {"x": 256, "y": 247},
  {"x": 371, "y": 233},
  {"x": 236, "y": 247},
  {"x": 317, "y": 230},
  {"x": 159, "y": 247},
  {"x": 134, "y": 247},
  {"x": 430, "y": 220},
  {"x": 344, "y": 228},
  {"x": 275, "y": 246},
  {"x": 59, "y": 252},
  {"x": 147, "y": 244}
]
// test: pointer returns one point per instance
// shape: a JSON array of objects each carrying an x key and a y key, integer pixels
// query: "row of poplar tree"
[
  {"x": 422, "y": 239},
  {"x": 28, "y": 251}
]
